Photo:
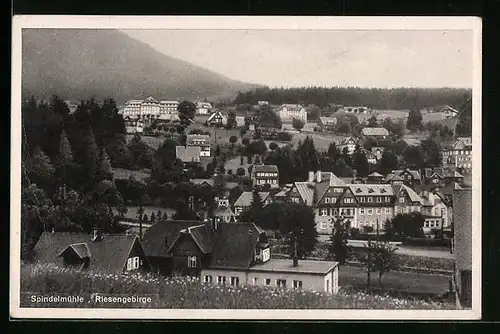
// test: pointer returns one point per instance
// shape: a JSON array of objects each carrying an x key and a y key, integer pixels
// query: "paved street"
[{"x": 411, "y": 282}]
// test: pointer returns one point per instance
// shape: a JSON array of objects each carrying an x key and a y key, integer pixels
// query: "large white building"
[
  {"x": 288, "y": 112},
  {"x": 149, "y": 108}
]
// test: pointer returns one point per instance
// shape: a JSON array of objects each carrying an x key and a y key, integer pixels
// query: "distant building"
[
  {"x": 410, "y": 177},
  {"x": 217, "y": 118},
  {"x": 149, "y": 108},
  {"x": 188, "y": 154},
  {"x": 263, "y": 103},
  {"x": 459, "y": 155},
  {"x": 355, "y": 110},
  {"x": 370, "y": 157},
  {"x": 245, "y": 200},
  {"x": 348, "y": 143},
  {"x": 265, "y": 174},
  {"x": 133, "y": 125},
  {"x": 437, "y": 213},
  {"x": 378, "y": 151},
  {"x": 201, "y": 141},
  {"x": 378, "y": 133},
  {"x": 287, "y": 112},
  {"x": 412, "y": 141},
  {"x": 441, "y": 176},
  {"x": 449, "y": 112},
  {"x": 203, "y": 108},
  {"x": 327, "y": 124},
  {"x": 462, "y": 245}
]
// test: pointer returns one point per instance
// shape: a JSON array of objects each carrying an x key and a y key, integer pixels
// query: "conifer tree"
[
  {"x": 65, "y": 157},
  {"x": 39, "y": 167},
  {"x": 105, "y": 171},
  {"x": 91, "y": 156}
]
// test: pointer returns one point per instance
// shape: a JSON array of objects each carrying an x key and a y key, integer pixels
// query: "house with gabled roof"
[
  {"x": 441, "y": 176},
  {"x": 459, "y": 155},
  {"x": 410, "y": 177},
  {"x": 378, "y": 151},
  {"x": 217, "y": 118},
  {"x": 288, "y": 112},
  {"x": 245, "y": 200},
  {"x": 201, "y": 141},
  {"x": 109, "y": 253},
  {"x": 348, "y": 143},
  {"x": 436, "y": 211},
  {"x": 327, "y": 124},
  {"x": 231, "y": 254}
]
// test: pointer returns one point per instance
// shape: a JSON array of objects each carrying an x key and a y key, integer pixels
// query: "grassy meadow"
[{"x": 185, "y": 292}]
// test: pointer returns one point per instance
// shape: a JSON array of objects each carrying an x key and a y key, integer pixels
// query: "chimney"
[
  {"x": 311, "y": 176},
  {"x": 318, "y": 176}
]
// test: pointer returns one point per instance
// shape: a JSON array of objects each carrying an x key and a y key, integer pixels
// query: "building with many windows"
[
  {"x": 287, "y": 112},
  {"x": 149, "y": 108},
  {"x": 265, "y": 174},
  {"x": 201, "y": 141},
  {"x": 459, "y": 155}
]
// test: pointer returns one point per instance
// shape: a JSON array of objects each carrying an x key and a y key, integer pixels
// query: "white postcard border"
[{"x": 240, "y": 22}]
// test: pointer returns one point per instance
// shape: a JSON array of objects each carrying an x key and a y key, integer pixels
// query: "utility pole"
[{"x": 368, "y": 264}]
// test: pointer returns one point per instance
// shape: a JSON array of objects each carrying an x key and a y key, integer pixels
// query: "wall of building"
[
  {"x": 316, "y": 282},
  {"x": 462, "y": 206}
]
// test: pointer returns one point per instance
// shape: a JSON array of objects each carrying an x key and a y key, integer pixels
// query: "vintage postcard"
[{"x": 246, "y": 168}]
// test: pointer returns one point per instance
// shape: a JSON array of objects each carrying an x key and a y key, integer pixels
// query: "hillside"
[{"x": 80, "y": 63}]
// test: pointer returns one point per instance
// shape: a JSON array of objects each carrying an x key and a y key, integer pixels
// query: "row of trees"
[{"x": 376, "y": 98}]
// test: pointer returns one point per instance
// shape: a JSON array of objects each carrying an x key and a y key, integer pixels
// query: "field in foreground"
[{"x": 182, "y": 292}]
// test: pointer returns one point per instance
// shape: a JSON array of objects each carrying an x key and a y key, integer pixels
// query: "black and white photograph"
[{"x": 246, "y": 167}]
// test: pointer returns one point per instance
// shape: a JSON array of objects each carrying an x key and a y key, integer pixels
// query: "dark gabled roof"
[
  {"x": 265, "y": 169},
  {"x": 223, "y": 212},
  {"x": 81, "y": 249},
  {"x": 160, "y": 237},
  {"x": 108, "y": 255},
  {"x": 231, "y": 245},
  {"x": 234, "y": 245}
]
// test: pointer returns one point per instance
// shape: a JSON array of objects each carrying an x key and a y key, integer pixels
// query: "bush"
[
  {"x": 428, "y": 242},
  {"x": 284, "y": 136}
]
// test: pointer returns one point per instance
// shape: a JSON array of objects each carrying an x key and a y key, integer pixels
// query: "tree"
[
  {"x": 254, "y": 211},
  {"x": 414, "y": 157},
  {"x": 383, "y": 258},
  {"x": 369, "y": 143},
  {"x": 273, "y": 146},
  {"x": 105, "y": 171},
  {"x": 245, "y": 141},
  {"x": 432, "y": 153},
  {"x": 39, "y": 167},
  {"x": 257, "y": 147},
  {"x": 240, "y": 172},
  {"x": 65, "y": 157},
  {"x": 338, "y": 247},
  {"x": 231, "y": 120},
  {"x": 414, "y": 121},
  {"x": 299, "y": 225},
  {"x": 233, "y": 139},
  {"x": 388, "y": 162},
  {"x": 333, "y": 151},
  {"x": 361, "y": 163},
  {"x": 406, "y": 225},
  {"x": 91, "y": 163},
  {"x": 187, "y": 111},
  {"x": 298, "y": 124},
  {"x": 372, "y": 122}
]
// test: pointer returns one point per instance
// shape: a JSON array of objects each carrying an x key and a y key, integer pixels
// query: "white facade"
[
  {"x": 149, "y": 108},
  {"x": 288, "y": 112}
]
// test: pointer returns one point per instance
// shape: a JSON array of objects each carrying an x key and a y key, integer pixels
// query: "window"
[
  {"x": 327, "y": 199},
  {"x": 208, "y": 279},
  {"x": 387, "y": 210},
  {"x": 323, "y": 225},
  {"x": 442, "y": 212},
  {"x": 133, "y": 263},
  {"x": 235, "y": 281},
  {"x": 297, "y": 284},
  {"x": 191, "y": 261},
  {"x": 370, "y": 199},
  {"x": 378, "y": 211},
  {"x": 324, "y": 212},
  {"x": 361, "y": 211},
  {"x": 379, "y": 199},
  {"x": 333, "y": 200},
  {"x": 255, "y": 281},
  {"x": 281, "y": 283},
  {"x": 401, "y": 200},
  {"x": 370, "y": 211},
  {"x": 268, "y": 281},
  {"x": 348, "y": 200},
  {"x": 221, "y": 279},
  {"x": 362, "y": 199}
]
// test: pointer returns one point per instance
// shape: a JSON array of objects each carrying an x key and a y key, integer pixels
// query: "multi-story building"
[
  {"x": 437, "y": 213},
  {"x": 202, "y": 141},
  {"x": 265, "y": 174},
  {"x": 288, "y": 112},
  {"x": 360, "y": 204},
  {"x": 459, "y": 155},
  {"x": 149, "y": 108},
  {"x": 378, "y": 133},
  {"x": 327, "y": 124}
]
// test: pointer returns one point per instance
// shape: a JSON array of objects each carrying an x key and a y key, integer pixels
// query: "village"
[{"x": 276, "y": 195}]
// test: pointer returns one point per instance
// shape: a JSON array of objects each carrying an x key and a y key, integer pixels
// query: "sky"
[{"x": 292, "y": 58}]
